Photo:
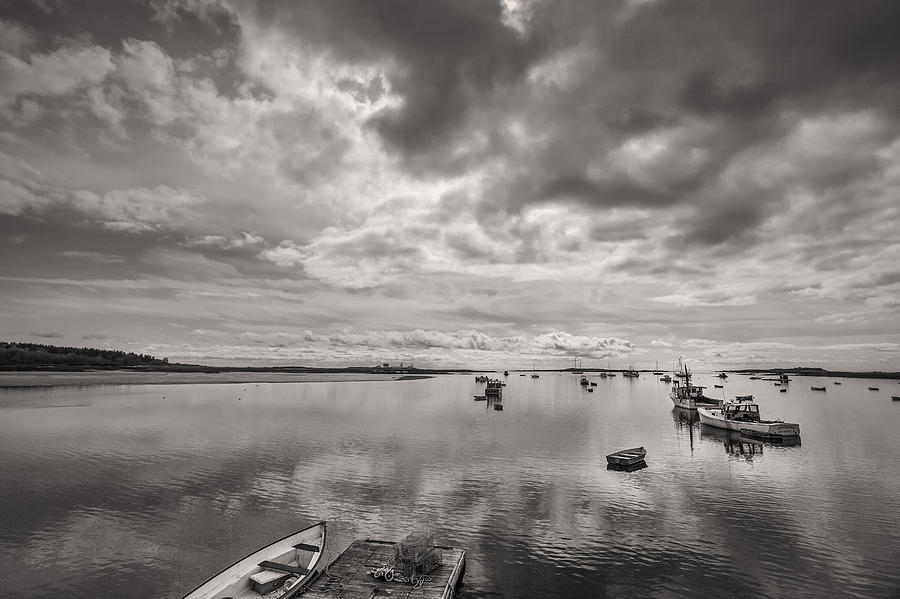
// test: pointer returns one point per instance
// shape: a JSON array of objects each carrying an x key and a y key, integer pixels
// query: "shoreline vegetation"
[{"x": 32, "y": 364}]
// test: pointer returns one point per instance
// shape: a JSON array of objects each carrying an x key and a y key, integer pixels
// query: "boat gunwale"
[{"x": 305, "y": 581}]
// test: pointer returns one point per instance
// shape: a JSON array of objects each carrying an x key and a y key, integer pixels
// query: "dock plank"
[{"x": 346, "y": 576}]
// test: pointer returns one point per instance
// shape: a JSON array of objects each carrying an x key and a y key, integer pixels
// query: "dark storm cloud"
[
  {"x": 444, "y": 58},
  {"x": 748, "y": 72}
]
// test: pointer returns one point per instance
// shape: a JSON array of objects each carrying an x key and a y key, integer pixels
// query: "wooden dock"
[{"x": 347, "y": 576}]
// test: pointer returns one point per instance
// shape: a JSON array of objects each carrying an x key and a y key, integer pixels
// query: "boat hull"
[
  {"x": 692, "y": 403},
  {"x": 627, "y": 457},
  {"x": 235, "y": 580},
  {"x": 765, "y": 428}
]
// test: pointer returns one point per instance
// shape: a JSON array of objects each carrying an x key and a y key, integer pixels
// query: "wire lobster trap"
[{"x": 416, "y": 555}]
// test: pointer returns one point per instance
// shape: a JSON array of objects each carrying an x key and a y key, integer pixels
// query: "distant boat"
[
  {"x": 837, "y": 382},
  {"x": 743, "y": 398},
  {"x": 783, "y": 378},
  {"x": 782, "y": 390},
  {"x": 498, "y": 406},
  {"x": 627, "y": 457},
  {"x": 590, "y": 390},
  {"x": 666, "y": 379},
  {"x": 895, "y": 397},
  {"x": 584, "y": 382},
  {"x": 602, "y": 375},
  {"x": 287, "y": 564},
  {"x": 873, "y": 388},
  {"x": 534, "y": 374},
  {"x": 505, "y": 373},
  {"x": 754, "y": 378},
  {"x": 817, "y": 388},
  {"x": 743, "y": 416},
  {"x": 718, "y": 386},
  {"x": 631, "y": 372},
  {"x": 657, "y": 372},
  {"x": 479, "y": 397},
  {"x": 592, "y": 385},
  {"x": 722, "y": 375}
]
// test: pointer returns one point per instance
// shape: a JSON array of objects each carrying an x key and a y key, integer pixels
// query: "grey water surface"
[{"x": 147, "y": 490}]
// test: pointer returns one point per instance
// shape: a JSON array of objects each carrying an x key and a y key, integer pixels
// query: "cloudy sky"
[{"x": 468, "y": 183}]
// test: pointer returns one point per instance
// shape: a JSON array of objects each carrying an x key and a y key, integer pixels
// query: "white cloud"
[
  {"x": 54, "y": 74},
  {"x": 13, "y": 37},
  {"x": 226, "y": 243},
  {"x": 138, "y": 210}
]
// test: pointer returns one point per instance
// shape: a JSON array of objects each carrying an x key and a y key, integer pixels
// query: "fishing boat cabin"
[{"x": 741, "y": 411}]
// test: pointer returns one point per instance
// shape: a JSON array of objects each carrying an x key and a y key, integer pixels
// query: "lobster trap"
[{"x": 415, "y": 555}]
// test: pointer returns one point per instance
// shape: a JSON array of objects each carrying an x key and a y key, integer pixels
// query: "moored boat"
[
  {"x": 288, "y": 564},
  {"x": 873, "y": 388},
  {"x": 631, "y": 372},
  {"x": 666, "y": 378},
  {"x": 584, "y": 382},
  {"x": 743, "y": 415},
  {"x": 627, "y": 457},
  {"x": 688, "y": 396},
  {"x": 817, "y": 388},
  {"x": 895, "y": 397}
]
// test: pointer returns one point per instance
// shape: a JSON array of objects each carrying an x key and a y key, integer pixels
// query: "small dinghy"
[
  {"x": 627, "y": 457},
  {"x": 286, "y": 565},
  {"x": 873, "y": 388},
  {"x": 895, "y": 397},
  {"x": 817, "y": 388}
]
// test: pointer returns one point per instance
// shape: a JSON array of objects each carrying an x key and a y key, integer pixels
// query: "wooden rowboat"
[
  {"x": 286, "y": 565},
  {"x": 627, "y": 457}
]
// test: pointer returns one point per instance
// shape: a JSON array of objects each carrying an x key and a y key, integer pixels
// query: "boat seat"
[
  {"x": 306, "y": 547},
  {"x": 283, "y": 567}
]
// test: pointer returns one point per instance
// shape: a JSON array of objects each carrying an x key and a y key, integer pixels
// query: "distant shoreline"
[{"x": 44, "y": 378}]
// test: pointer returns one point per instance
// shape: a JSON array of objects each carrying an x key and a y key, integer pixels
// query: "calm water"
[{"x": 144, "y": 491}]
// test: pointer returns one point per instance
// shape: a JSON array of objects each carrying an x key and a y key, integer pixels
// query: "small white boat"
[
  {"x": 742, "y": 415},
  {"x": 288, "y": 564},
  {"x": 627, "y": 457}
]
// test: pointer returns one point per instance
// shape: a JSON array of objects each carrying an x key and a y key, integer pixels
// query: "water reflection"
[
  {"x": 629, "y": 468},
  {"x": 733, "y": 442},
  {"x": 116, "y": 489},
  {"x": 686, "y": 420}
]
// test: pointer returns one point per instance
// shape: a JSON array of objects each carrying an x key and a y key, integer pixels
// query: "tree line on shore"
[{"x": 40, "y": 355}]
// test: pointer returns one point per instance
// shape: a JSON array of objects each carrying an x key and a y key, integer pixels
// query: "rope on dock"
[{"x": 388, "y": 574}]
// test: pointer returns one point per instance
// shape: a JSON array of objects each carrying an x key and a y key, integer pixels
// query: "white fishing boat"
[
  {"x": 631, "y": 372},
  {"x": 742, "y": 415},
  {"x": 280, "y": 570},
  {"x": 690, "y": 397}
]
